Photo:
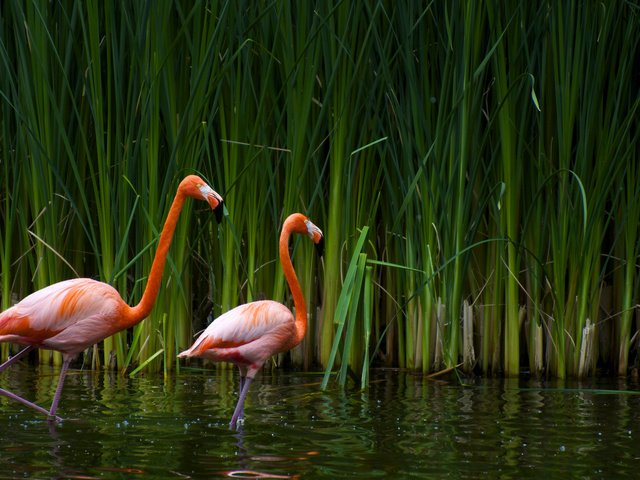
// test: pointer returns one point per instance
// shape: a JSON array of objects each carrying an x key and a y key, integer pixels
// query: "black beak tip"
[
  {"x": 320, "y": 246},
  {"x": 218, "y": 211}
]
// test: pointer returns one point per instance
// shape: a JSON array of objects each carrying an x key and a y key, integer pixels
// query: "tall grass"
[{"x": 472, "y": 165}]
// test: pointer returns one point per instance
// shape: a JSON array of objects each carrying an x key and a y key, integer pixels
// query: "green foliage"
[{"x": 452, "y": 152}]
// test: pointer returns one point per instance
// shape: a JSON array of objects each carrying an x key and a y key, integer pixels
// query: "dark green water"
[{"x": 403, "y": 426}]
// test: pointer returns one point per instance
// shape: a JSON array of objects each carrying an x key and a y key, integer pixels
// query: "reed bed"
[{"x": 474, "y": 167}]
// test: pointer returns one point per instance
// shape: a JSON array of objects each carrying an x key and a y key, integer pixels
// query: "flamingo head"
[
  {"x": 195, "y": 187},
  {"x": 316, "y": 235},
  {"x": 298, "y": 223}
]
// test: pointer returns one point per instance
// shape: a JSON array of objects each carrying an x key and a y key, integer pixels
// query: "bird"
[
  {"x": 71, "y": 315},
  {"x": 249, "y": 334}
]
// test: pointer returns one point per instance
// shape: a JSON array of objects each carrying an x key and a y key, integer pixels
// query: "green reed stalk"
[
  {"x": 491, "y": 348},
  {"x": 512, "y": 174},
  {"x": 577, "y": 273},
  {"x": 468, "y": 69},
  {"x": 341, "y": 70},
  {"x": 628, "y": 216},
  {"x": 367, "y": 317},
  {"x": 415, "y": 109},
  {"x": 566, "y": 89},
  {"x": 619, "y": 136},
  {"x": 630, "y": 211},
  {"x": 341, "y": 64},
  {"x": 365, "y": 183},
  {"x": 597, "y": 179},
  {"x": 10, "y": 215},
  {"x": 346, "y": 310},
  {"x": 535, "y": 210},
  {"x": 534, "y": 232}
]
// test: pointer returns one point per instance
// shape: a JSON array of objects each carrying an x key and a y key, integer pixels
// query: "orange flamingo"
[
  {"x": 72, "y": 315},
  {"x": 250, "y": 334}
]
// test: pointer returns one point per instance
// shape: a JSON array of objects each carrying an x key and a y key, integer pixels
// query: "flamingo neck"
[
  {"x": 144, "y": 307},
  {"x": 294, "y": 285}
]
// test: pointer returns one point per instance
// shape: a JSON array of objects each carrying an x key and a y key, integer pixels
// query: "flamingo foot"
[
  {"x": 54, "y": 419},
  {"x": 236, "y": 424}
]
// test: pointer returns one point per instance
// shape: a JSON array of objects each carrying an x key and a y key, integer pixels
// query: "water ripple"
[{"x": 402, "y": 426}]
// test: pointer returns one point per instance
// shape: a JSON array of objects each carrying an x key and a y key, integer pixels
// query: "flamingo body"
[
  {"x": 247, "y": 335},
  {"x": 79, "y": 313},
  {"x": 250, "y": 334},
  {"x": 72, "y": 315}
]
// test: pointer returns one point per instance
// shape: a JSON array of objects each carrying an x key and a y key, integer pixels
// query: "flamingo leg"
[
  {"x": 241, "y": 413},
  {"x": 16, "y": 357},
  {"x": 13, "y": 396},
  {"x": 240, "y": 406},
  {"x": 243, "y": 378},
  {"x": 51, "y": 414},
  {"x": 56, "y": 398},
  {"x": 23, "y": 401}
]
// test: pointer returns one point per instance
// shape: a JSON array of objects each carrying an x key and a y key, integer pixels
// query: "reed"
[{"x": 476, "y": 154}]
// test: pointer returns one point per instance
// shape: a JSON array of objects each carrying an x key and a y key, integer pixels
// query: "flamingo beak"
[
  {"x": 215, "y": 201},
  {"x": 320, "y": 246},
  {"x": 218, "y": 210},
  {"x": 316, "y": 235}
]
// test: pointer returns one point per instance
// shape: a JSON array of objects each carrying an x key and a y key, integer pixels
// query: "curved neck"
[
  {"x": 294, "y": 285},
  {"x": 150, "y": 294}
]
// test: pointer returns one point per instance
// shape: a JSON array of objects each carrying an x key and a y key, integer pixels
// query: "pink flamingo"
[
  {"x": 250, "y": 334},
  {"x": 72, "y": 315}
]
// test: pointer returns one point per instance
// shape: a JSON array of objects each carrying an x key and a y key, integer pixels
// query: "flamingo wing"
[
  {"x": 243, "y": 325},
  {"x": 64, "y": 310}
]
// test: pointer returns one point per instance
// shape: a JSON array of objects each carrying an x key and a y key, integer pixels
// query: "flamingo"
[
  {"x": 250, "y": 334},
  {"x": 72, "y": 315}
]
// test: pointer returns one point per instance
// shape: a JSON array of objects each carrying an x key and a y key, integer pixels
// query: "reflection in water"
[{"x": 402, "y": 425}]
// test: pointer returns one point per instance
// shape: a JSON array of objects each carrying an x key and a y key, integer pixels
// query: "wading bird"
[
  {"x": 72, "y": 315},
  {"x": 250, "y": 334}
]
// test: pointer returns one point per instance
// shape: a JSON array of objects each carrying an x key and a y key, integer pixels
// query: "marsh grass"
[{"x": 455, "y": 154}]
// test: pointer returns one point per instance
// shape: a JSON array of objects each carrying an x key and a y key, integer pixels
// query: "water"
[{"x": 403, "y": 426}]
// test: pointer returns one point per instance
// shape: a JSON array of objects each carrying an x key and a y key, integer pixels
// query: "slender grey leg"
[
  {"x": 23, "y": 401},
  {"x": 13, "y": 396},
  {"x": 243, "y": 376},
  {"x": 243, "y": 380},
  {"x": 16, "y": 357},
  {"x": 240, "y": 405},
  {"x": 56, "y": 397},
  {"x": 51, "y": 414}
]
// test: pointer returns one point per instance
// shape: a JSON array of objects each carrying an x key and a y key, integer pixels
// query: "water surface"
[{"x": 402, "y": 426}]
